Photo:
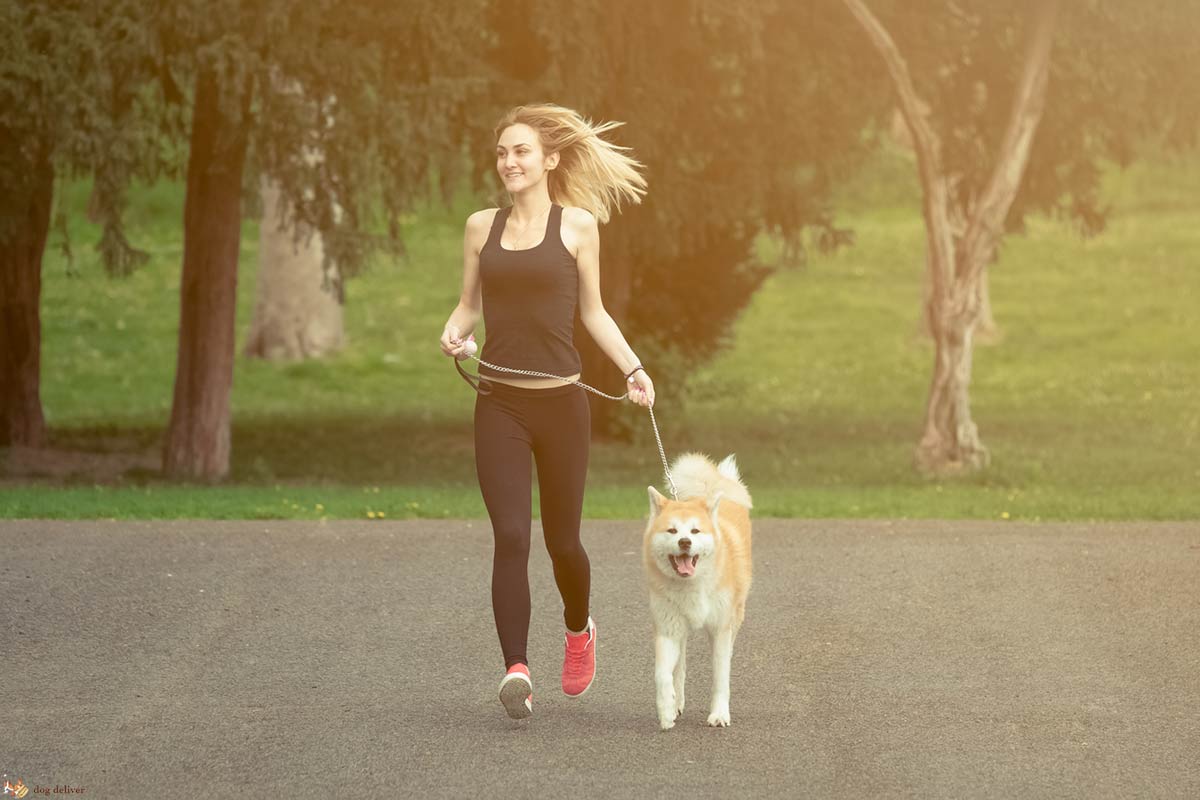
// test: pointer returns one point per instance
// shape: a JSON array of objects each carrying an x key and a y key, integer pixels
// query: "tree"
[
  {"x": 68, "y": 108},
  {"x": 198, "y": 438},
  {"x": 974, "y": 82},
  {"x": 961, "y": 244},
  {"x": 298, "y": 310},
  {"x": 298, "y": 307},
  {"x": 365, "y": 80}
]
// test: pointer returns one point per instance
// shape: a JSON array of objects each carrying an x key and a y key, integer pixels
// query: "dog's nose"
[{"x": 684, "y": 544}]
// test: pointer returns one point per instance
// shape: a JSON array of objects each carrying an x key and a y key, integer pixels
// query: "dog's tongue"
[{"x": 684, "y": 565}]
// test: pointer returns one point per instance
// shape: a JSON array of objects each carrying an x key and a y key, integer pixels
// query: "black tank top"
[{"x": 529, "y": 301}]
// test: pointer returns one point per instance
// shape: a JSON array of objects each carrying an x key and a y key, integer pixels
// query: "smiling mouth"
[{"x": 684, "y": 566}]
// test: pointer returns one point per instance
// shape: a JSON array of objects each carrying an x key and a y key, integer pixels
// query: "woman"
[{"x": 525, "y": 270}]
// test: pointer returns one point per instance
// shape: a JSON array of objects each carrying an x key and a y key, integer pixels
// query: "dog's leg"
[
  {"x": 680, "y": 676},
  {"x": 666, "y": 655},
  {"x": 722, "y": 642}
]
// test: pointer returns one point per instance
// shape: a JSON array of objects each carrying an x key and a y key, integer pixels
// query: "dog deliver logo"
[{"x": 13, "y": 787}]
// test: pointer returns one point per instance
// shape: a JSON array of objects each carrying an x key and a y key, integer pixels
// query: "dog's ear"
[{"x": 657, "y": 501}]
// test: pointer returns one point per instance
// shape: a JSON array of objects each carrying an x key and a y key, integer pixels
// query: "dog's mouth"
[{"x": 684, "y": 565}]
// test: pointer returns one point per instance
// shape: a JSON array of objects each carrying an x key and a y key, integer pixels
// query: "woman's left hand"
[{"x": 641, "y": 388}]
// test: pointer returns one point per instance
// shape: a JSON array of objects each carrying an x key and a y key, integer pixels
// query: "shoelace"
[{"x": 575, "y": 656}]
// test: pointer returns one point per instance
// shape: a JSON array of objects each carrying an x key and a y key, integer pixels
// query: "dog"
[{"x": 696, "y": 555}]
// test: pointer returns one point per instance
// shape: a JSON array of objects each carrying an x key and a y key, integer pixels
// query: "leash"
[{"x": 477, "y": 381}]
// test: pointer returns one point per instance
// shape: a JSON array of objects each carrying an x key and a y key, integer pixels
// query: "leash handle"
[{"x": 475, "y": 382}]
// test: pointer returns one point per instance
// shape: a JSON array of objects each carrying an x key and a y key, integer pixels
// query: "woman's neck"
[{"x": 530, "y": 204}]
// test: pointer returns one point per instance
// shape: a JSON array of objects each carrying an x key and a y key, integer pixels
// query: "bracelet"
[{"x": 629, "y": 374}]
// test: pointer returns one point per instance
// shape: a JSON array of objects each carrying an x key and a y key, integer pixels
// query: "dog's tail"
[{"x": 695, "y": 475}]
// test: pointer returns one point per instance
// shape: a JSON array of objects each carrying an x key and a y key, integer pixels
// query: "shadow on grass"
[
  {"x": 318, "y": 449},
  {"x": 417, "y": 450}
]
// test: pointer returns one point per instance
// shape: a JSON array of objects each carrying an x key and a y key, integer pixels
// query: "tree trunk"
[
  {"x": 198, "y": 439},
  {"x": 21, "y": 420},
  {"x": 950, "y": 442},
  {"x": 986, "y": 331},
  {"x": 958, "y": 254},
  {"x": 296, "y": 316}
]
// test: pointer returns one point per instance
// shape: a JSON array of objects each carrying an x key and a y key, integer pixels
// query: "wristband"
[{"x": 629, "y": 374}]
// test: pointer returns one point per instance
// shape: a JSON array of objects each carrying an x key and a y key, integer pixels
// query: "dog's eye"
[
  {"x": 672, "y": 530},
  {"x": 695, "y": 530}
]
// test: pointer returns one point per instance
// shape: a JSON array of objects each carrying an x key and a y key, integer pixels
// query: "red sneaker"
[
  {"x": 579, "y": 661},
  {"x": 516, "y": 692}
]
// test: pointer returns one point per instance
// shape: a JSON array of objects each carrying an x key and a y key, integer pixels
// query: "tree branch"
[
  {"x": 986, "y": 224},
  {"x": 911, "y": 105},
  {"x": 935, "y": 187}
]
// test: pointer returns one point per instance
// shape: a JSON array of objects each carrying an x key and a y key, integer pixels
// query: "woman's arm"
[
  {"x": 585, "y": 235},
  {"x": 466, "y": 314}
]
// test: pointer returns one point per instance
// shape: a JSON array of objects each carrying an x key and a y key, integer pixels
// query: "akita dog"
[{"x": 696, "y": 553}]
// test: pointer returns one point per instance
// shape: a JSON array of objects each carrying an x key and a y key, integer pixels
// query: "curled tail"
[{"x": 695, "y": 475}]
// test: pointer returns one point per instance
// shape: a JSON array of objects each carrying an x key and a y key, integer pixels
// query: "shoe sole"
[{"x": 515, "y": 691}]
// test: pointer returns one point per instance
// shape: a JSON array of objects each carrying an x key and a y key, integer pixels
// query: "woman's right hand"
[
  {"x": 455, "y": 346},
  {"x": 641, "y": 388},
  {"x": 452, "y": 343}
]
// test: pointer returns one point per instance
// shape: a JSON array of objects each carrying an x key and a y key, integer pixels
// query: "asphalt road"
[{"x": 359, "y": 659}]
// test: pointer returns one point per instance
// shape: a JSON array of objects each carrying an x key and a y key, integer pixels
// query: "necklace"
[{"x": 516, "y": 245}]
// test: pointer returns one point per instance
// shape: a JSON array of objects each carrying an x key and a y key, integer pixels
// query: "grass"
[{"x": 1087, "y": 402}]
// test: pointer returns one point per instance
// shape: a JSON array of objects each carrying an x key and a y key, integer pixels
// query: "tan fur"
[{"x": 714, "y": 597}]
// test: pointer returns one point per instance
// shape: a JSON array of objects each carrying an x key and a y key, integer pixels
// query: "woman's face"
[{"x": 519, "y": 158}]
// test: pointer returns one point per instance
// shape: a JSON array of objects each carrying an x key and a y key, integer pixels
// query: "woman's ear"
[{"x": 551, "y": 161}]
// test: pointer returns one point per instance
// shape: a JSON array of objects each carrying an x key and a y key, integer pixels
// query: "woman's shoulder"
[
  {"x": 482, "y": 218},
  {"x": 578, "y": 218},
  {"x": 579, "y": 230},
  {"x": 479, "y": 225}
]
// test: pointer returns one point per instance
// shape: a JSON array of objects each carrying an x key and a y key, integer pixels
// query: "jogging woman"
[{"x": 527, "y": 268}]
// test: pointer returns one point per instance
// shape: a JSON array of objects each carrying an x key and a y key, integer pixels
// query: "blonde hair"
[{"x": 592, "y": 173}]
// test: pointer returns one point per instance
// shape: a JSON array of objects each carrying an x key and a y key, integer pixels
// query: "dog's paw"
[
  {"x": 679, "y": 708},
  {"x": 719, "y": 719},
  {"x": 668, "y": 705}
]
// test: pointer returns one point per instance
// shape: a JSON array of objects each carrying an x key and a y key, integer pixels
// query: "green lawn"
[{"x": 1088, "y": 402}]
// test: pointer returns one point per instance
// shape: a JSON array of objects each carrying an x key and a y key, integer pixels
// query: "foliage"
[
  {"x": 1109, "y": 89},
  {"x": 745, "y": 114},
  {"x": 70, "y": 84},
  {"x": 356, "y": 105},
  {"x": 375, "y": 89}
]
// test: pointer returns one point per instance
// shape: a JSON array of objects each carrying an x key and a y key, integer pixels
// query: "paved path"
[{"x": 356, "y": 659}]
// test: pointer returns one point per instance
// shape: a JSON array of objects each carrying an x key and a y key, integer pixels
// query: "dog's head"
[{"x": 681, "y": 537}]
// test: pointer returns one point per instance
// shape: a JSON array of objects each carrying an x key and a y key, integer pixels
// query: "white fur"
[
  {"x": 675, "y": 616},
  {"x": 694, "y": 476},
  {"x": 680, "y": 605}
]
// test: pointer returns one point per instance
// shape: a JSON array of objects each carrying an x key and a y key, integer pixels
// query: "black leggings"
[{"x": 553, "y": 426}]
